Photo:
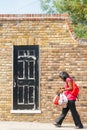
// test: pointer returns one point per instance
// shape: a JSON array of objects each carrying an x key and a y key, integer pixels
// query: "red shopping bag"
[{"x": 56, "y": 99}]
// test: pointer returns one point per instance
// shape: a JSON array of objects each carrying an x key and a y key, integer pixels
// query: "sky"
[{"x": 20, "y": 7}]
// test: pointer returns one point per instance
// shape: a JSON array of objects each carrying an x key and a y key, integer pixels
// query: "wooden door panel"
[{"x": 26, "y": 77}]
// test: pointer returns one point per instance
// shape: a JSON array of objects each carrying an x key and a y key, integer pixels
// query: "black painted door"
[{"x": 26, "y": 77}]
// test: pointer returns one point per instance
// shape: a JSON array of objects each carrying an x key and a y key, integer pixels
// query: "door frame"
[{"x": 24, "y": 111}]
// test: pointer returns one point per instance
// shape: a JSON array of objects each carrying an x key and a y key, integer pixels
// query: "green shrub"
[{"x": 80, "y": 30}]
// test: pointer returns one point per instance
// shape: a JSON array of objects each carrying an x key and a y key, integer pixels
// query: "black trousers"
[{"x": 72, "y": 107}]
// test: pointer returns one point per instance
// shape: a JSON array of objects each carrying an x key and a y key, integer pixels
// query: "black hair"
[{"x": 64, "y": 75}]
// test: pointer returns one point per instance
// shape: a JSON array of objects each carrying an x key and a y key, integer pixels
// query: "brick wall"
[{"x": 59, "y": 50}]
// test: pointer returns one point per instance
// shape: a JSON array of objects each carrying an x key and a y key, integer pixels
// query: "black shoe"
[
  {"x": 79, "y": 127},
  {"x": 57, "y": 125}
]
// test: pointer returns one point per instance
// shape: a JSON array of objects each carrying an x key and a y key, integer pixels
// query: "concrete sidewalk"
[{"x": 9, "y": 125}]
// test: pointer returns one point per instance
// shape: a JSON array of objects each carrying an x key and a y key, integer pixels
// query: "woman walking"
[{"x": 71, "y": 102}]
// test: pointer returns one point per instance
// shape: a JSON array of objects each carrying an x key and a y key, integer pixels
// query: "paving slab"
[{"x": 10, "y": 125}]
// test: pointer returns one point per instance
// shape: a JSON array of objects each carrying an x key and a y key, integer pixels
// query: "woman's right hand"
[{"x": 62, "y": 89}]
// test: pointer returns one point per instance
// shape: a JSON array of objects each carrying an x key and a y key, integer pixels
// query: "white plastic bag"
[{"x": 63, "y": 100}]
